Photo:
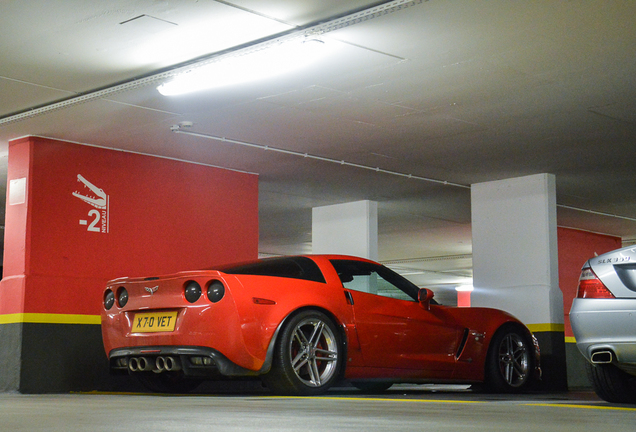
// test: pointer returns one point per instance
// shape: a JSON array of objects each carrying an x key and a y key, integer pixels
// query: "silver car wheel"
[
  {"x": 313, "y": 350},
  {"x": 612, "y": 384},
  {"x": 513, "y": 357}
]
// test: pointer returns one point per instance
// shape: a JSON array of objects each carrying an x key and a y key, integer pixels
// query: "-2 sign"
[
  {"x": 94, "y": 225},
  {"x": 98, "y": 220}
]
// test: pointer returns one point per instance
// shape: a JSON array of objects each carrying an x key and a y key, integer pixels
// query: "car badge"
[{"x": 152, "y": 290}]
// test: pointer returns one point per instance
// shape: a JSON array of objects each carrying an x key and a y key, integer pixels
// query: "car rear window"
[{"x": 287, "y": 267}]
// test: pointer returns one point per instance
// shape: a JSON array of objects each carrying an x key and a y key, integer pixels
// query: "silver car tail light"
[{"x": 590, "y": 286}]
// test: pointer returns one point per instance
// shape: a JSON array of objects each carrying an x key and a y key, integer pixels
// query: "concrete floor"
[{"x": 402, "y": 408}]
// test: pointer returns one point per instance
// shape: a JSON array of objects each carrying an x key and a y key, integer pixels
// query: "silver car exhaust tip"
[{"x": 602, "y": 357}]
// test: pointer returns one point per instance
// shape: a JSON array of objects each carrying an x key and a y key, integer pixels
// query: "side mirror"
[{"x": 424, "y": 296}]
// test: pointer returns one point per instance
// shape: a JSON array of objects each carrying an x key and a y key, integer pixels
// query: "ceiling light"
[{"x": 263, "y": 63}]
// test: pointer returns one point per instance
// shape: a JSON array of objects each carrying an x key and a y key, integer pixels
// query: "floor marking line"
[
  {"x": 581, "y": 406},
  {"x": 359, "y": 399},
  {"x": 363, "y": 399}
]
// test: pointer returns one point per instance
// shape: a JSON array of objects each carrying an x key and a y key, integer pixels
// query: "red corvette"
[{"x": 304, "y": 323}]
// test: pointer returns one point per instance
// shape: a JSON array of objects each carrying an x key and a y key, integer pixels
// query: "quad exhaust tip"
[
  {"x": 167, "y": 364},
  {"x": 160, "y": 364},
  {"x": 140, "y": 364}
]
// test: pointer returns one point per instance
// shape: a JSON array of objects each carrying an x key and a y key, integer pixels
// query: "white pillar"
[
  {"x": 348, "y": 229},
  {"x": 515, "y": 257}
]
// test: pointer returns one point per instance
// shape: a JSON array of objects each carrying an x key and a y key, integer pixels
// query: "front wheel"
[
  {"x": 612, "y": 384},
  {"x": 510, "y": 361},
  {"x": 308, "y": 356}
]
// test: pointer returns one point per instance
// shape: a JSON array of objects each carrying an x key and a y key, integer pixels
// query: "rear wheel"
[
  {"x": 612, "y": 384},
  {"x": 167, "y": 382},
  {"x": 510, "y": 361},
  {"x": 307, "y": 358}
]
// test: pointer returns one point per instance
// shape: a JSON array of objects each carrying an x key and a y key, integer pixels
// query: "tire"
[
  {"x": 372, "y": 386},
  {"x": 308, "y": 356},
  {"x": 167, "y": 382},
  {"x": 612, "y": 384},
  {"x": 510, "y": 361}
]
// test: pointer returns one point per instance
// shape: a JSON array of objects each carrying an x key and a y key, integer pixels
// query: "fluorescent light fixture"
[
  {"x": 464, "y": 288},
  {"x": 259, "y": 64}
]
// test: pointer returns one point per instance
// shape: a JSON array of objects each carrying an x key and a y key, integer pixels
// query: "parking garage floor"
[{"x": 402, "y": 408}]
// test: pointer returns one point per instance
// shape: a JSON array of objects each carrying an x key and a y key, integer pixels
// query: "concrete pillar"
[
  {"x": 515, "y": 261},
  {"x": 348, "y": 229}
]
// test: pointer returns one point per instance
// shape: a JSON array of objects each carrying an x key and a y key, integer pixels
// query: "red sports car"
[{"x": 303, "y": 323}]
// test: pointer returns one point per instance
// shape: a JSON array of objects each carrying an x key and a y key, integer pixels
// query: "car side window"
[{"x": 374, "y": 279}]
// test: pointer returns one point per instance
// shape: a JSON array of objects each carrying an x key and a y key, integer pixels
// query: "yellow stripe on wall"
[
  {"x": 535, "y": 328},
  {"x": 40, "y": 318}
]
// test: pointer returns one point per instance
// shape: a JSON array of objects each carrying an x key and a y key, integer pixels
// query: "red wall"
[
  {"x": 162, "y": 216},
  {"x": 576, "y": 247}
]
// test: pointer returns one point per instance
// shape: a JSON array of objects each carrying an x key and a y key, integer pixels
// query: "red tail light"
[{"x": 590, "y": 286}]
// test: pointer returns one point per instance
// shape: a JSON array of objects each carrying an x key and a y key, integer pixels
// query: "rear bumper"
[
  {"x": 192, "y": 361},
  {"x": 601, "y": 325}
]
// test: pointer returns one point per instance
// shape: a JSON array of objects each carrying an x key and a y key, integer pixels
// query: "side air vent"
[{"x": 462, "y": 344}]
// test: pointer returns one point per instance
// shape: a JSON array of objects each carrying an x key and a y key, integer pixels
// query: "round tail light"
[
  {"x": 109, "y": 299},
  {"x": 192, "y": 291},
  {"x": 216, "y": 291},
  {"x": 122, "y": 297}
]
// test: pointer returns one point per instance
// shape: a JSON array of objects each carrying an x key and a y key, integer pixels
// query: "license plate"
[{"x": 149, "y": 322}]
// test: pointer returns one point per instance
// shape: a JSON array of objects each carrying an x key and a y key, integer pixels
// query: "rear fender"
[{"x": 269, "y": 358}]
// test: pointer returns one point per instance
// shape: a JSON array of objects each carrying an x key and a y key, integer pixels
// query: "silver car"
[{"x": 603, "y": 318}]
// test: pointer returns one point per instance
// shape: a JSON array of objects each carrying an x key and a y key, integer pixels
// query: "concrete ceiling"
[{"x": 455, "y": 91}]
